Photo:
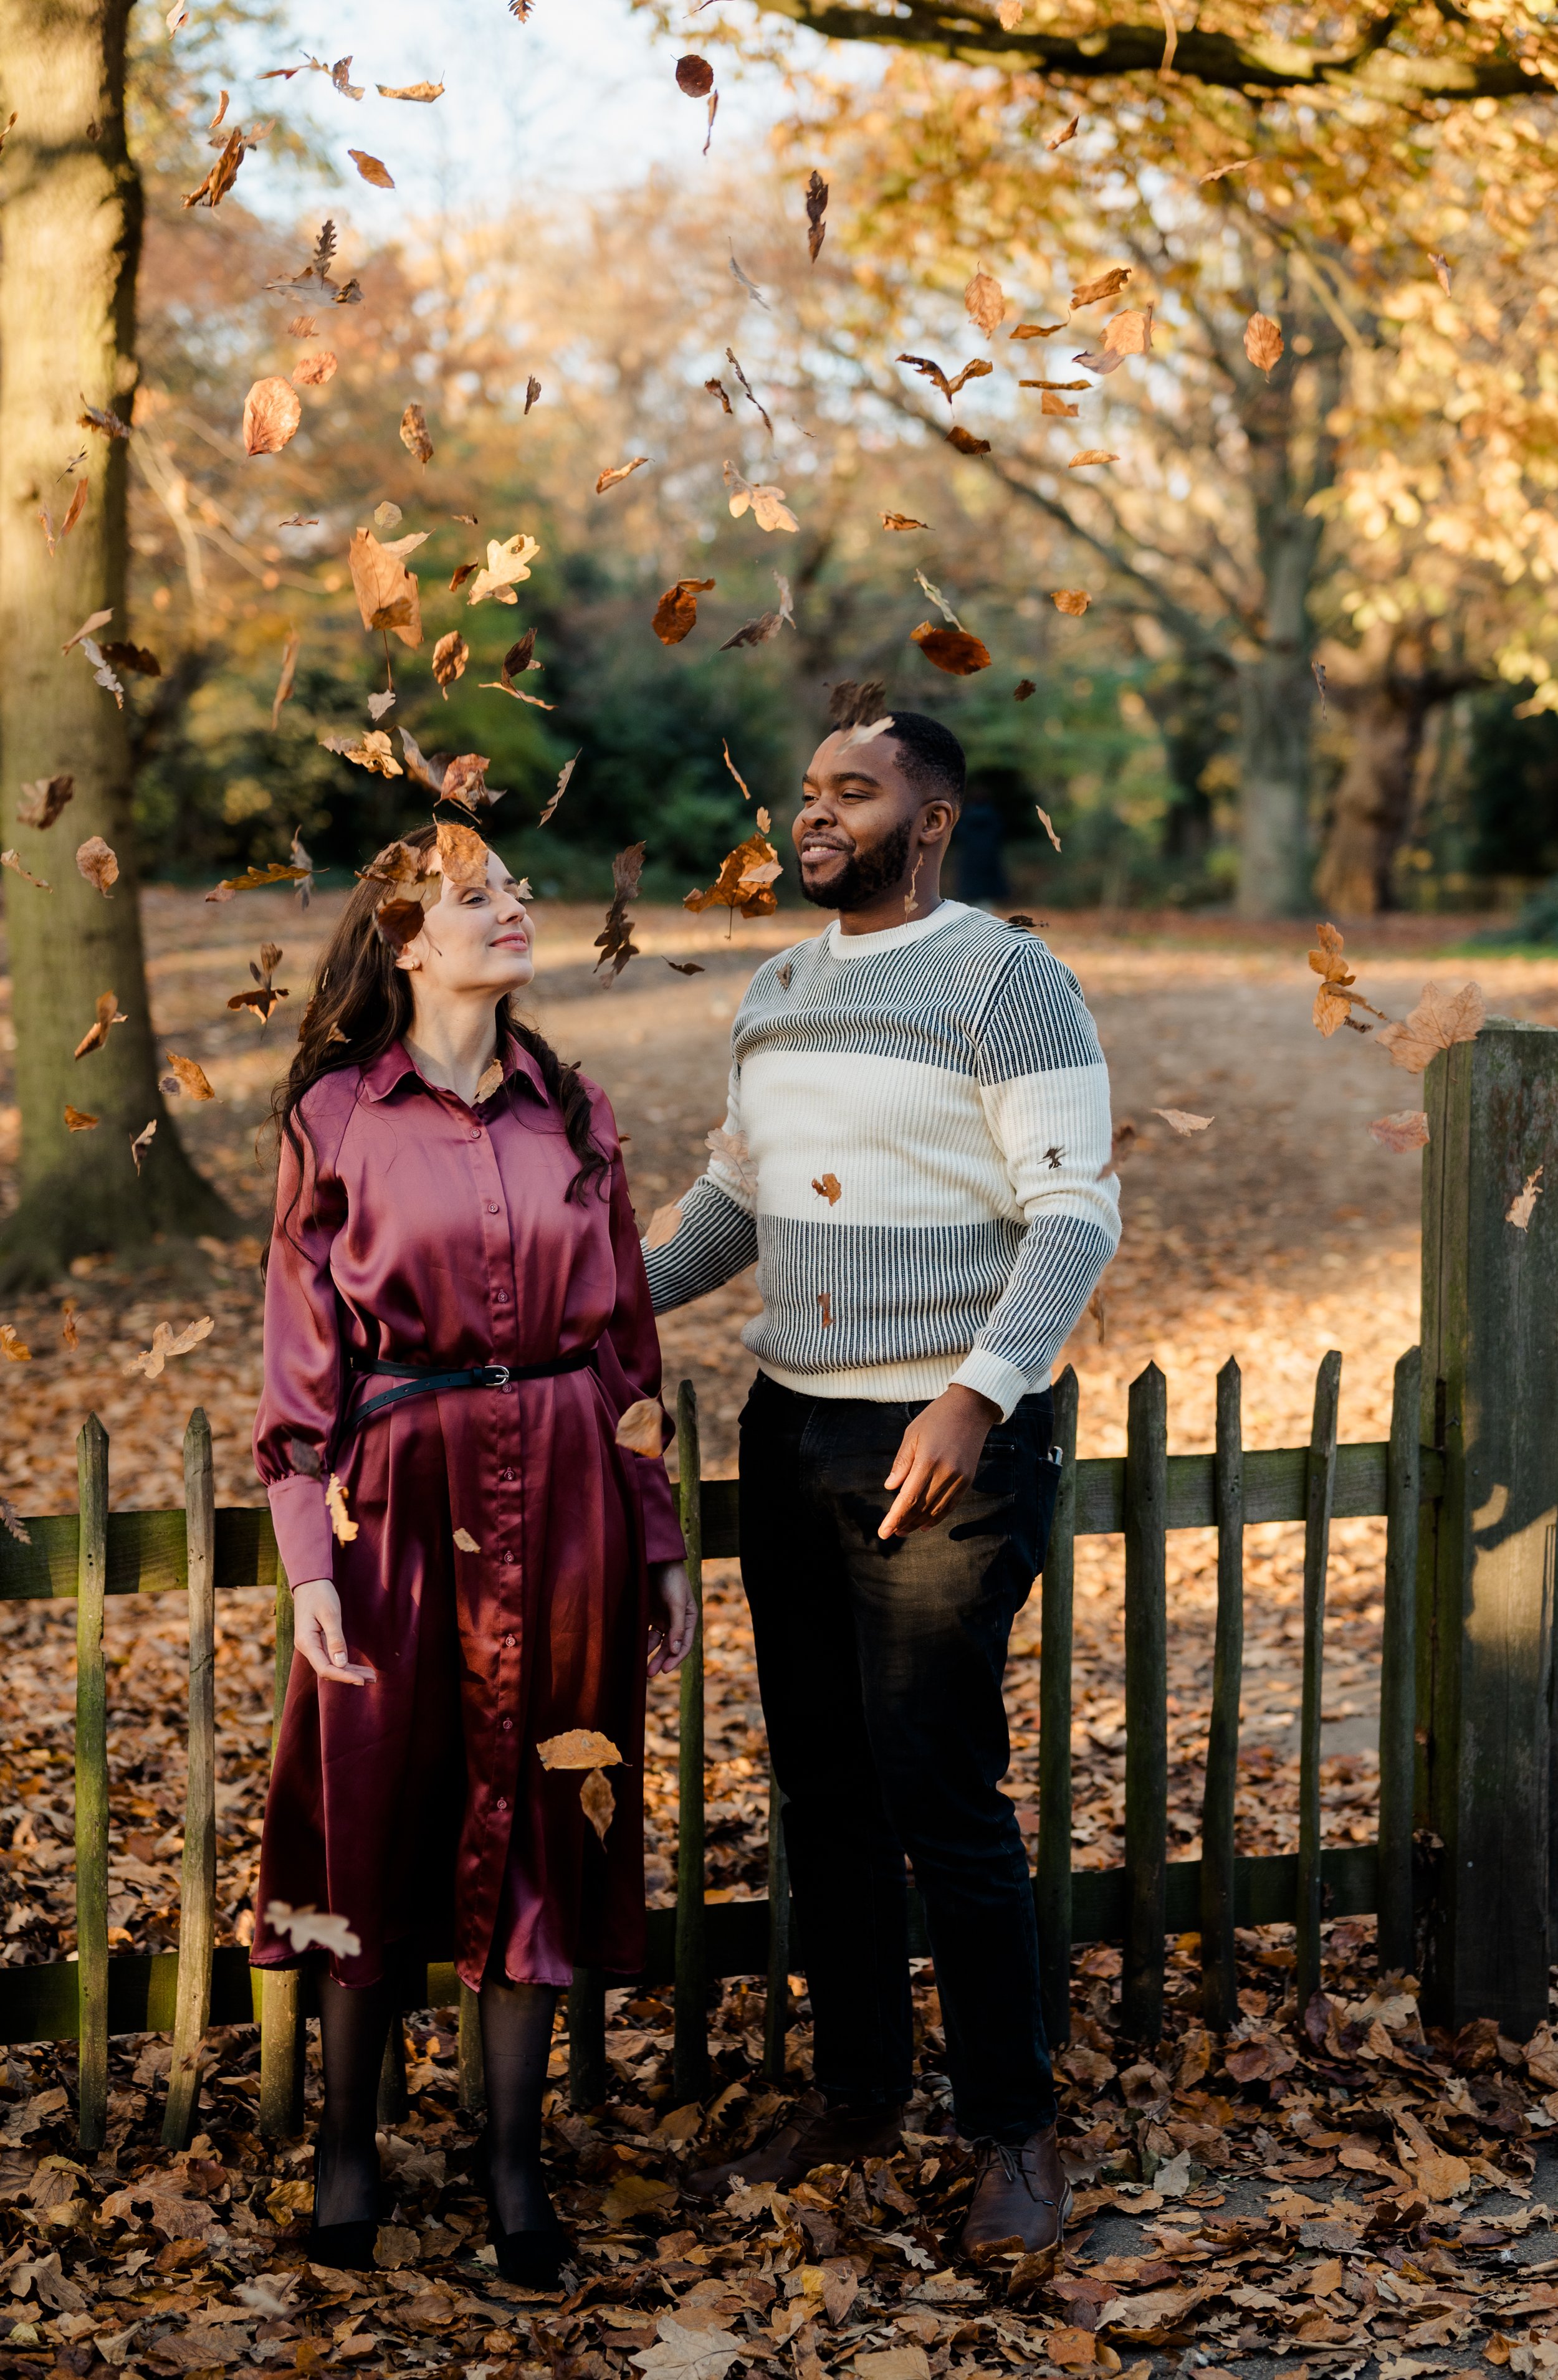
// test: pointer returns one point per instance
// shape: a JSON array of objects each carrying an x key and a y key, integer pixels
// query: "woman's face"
[{"x": 477, "y": 938}]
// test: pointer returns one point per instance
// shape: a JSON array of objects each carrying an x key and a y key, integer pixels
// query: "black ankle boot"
[
  {"x": 345, "y": 2247},
  {"x": 531, "y": 2260}
]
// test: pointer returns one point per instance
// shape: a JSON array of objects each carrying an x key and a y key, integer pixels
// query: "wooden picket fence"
[{"x": 204, "y": 1550}]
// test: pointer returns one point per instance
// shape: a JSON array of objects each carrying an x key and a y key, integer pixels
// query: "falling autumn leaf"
[
  {"x": 102, "y": 672},
  {"x": 44, "y": 799},
  {"x": 1103, "y": 284},
  {"x": 1024, "y": 690},
  {"x": 77, "y": 1120},
  {"x": 563, "y": 775},
  {"x": 97, "y": 620},
  {"x": 425, "y": 91},
  {"x": 984, "y": 302},
  {"x": 341, "y": 1522},
  {"x": 96, "y": 1033},
  {"x": 254, "y": 879},
  {"x": 694, "y": 75},
  {"x": 1334, "y": 1001},
  {"x": 271, "y": 415},
  {"x": 139, "y": 1149},
  {"x": 373, "y": 169},
  {"x": 288, "y": 673},
  {"x": 1439, "y": 1019},
  {"x": 387, "y": 592},
  {"x": 745, "y": 883},
  {"x": 768, "y": 625},
  {"x": 95, "y": 417},
  {"x": 506, "y": 565},
  {"x": 466, "y": 1542},
  {"x": 965, "y": 441},
  {"x": 615, "y": 942},
  {"x": 266, "y": 996},
  {"x": 902, "y": 520},
  {"x": 769, "y": 509},
  {"x": 640, "y": 1429},
  {"x": 1262, "y": 342},
  {"x": 619, "y": 471},
  {"x": 1072, "y": 600},
  {"x": 665, "y": 1222},
  {"x": 371, "y": 750},
  {"x": 816, "y": 207},
  {"x": 12, "y": 860},
  {"x": 1057, "y": 406},
  {"x": 1180, "y": 1121},
  {"x": 12, "y": 1346},
  {"x": 166, "y": 1341},
  {"x": 1442, "y": 272},
  {"x": 1406, "y": 1129},
  {"x": 1035, "y": 330},
  {"x": 313, "y": 371},
  {"x": 929, "y": 369},
  {"x": 746, "y": 789},
  {"x": 1069, "y": 133},
  {"x": 414, "y": 435},
  {"x": 579, "y": 1747},
  {"x": 1090, "y": 454},
  {"x": 1048, "y": 825},
  {"x": 597, "y": 1801},
  {"x": 532, "y": 392},
  {"x": 829, "y": 1187},
  {"x": 450, "y": 655},
  {"x": 97, "y": 863},
  {"x": 952, "y": 650},
  {"x": 189, "y": 1076},
  {"x": 1522, "y": 1206},
  {"x": 675, "y": 614},
  {"x": 747, "y": 284},
  {"x": 223, "y": 174}
]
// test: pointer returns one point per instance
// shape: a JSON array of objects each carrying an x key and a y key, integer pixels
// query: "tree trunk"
[
  {"x": 70, "y": 213},
  {"x": 1387, "y": 711}
]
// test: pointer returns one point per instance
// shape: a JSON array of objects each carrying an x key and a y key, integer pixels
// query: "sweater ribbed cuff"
[{"x": 990, "y": 1375}]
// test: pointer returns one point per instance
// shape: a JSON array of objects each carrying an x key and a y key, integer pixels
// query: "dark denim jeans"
[{"x": 880, "y": 1667}]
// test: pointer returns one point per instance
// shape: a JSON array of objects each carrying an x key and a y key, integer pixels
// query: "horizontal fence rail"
[{"x": 203, "y": 1550}]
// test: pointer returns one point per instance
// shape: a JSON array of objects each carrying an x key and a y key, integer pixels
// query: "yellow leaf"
[
  {"x": 1072, "y": 600},
  {"x": 1522, "y": 1208},
  {"x": 387, "y": 592},
  {"x": 505, "y": 567},
  {"x": 640, "y": 1429},
  {"x": 1090, "y": 454},
  {"x": 373, "y": 169},
  {"x": 1179, "y": 1121},
  {"x": 1439, "y": 1019},
  {"x": 466, "y": 1542},
  {"x": 619, "y": 471},
  {"x": 1104, "y": 284},
  {"x": 341, "y": 1522},
  {"x": 597, "y": 1801},
  {"x": 12, "y": 1346},
  {"x": 77, "y": 1120},
  {"x": 984, "y": 301},
  {"x": 271, "y": 415},
  {"x": 580, "y": 1747},
  {"x": 1262, "y": 342},
  {"x": 189, "y": 1076}
]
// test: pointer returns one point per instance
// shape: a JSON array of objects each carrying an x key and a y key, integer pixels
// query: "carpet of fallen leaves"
[{"x": 1280, "y": 1231}]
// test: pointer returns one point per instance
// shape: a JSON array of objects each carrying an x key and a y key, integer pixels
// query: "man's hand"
[
  {"x": 673, "y": 1617},
  {"x": 317, "y": 1634},
  {"x": 938, "y": 1458}
]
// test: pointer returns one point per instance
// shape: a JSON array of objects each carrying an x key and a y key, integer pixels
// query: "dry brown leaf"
[
  {"x": 599, "y": 1803},
  {"x": 1180, "y": 1121},
  {"x": 506, "y": 565},
  {"x": 385, "y": 590},
  {"x": 14, "y": 1348},
  {"x": 188, "y": 1076},
  {"x": 930, "y": 370},
  {"x": 489, "y": 1081},
  {"x": 373, "y": 169},
  {"x": 619, "y": 471},
  {"x": 371, "y": 750},
  {"x": 951, "y": 649},
  {"x": 641, "y": 1428},
  {"x": 271, "y": 415},
  {"x": 223, "y": 174},
  {"x": 139, "y": 1147},
  {"x": 769, "y": 509},
  {"x": 44, "y": 799},
  {"x": 1406, "y": 1129},
  {"x": 675, "y": 614},
  {"x": 965, "y": 441},
  {"x": 665, "y": 1222},
  {"x": 1129, "y": 334},
  {"x": 694, "y": 75},
  {"x": 1439, "y": 1019},
  {"x": 97, "y": 862},
  {"x": 313, "y": 371},
  {"x": 984, "y": 302},
  {"x": 731, "y": 1149},
  {"x": 746, "y": 789},
  {"x": 902, "y": 520},
  {"x": 466, "y": 1542},
  {"x": 1035, "y": 330},
  {"x": 1262, "y": 342},
  {"x": 1072, "y": 600},
  {"x": 96, "y": 1033},
  {"x": 1236, "y": 165},
  {"x": 450, "y": 655},
  {"x": 580, "y": 1747},
  {"x": 97, "y": 620},
  {"x": 166, "y": 1341},
  {"x": 414, "y": 434},
  {"x": 615, "y": 941},
  {"x": 95, "y": 417},
  {"x": 341, "y": 1522},
  {"x": 460, "y": 856},
  {"x": 829, "y": 1187},
  {"x": 1091, "y": 455},
  {"x": 12, "y": 860},
  {"x": 77, "y": 1120},
  {"x": 1068, "y": 134},
  {"x": 254, "y": 880},
  {"x": 767, "y": 624},
  {"x": 426, "y": 91},
  {"x": 76, "y": 507},
  {"x": 1522, "y": 1206},
  {"x": 1057, "y": 407},
  {"x": 745, "y": 881},
  {"x": 289, "y": 673},
  {"x": 1107, "y": 284},
  {"x": 816, "y": 207}
]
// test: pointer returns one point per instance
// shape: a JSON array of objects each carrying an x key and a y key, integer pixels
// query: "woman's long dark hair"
[{"x": 361, "y": 1005}]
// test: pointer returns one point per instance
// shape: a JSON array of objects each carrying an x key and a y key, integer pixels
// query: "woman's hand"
[
  {"x": 673, "y": 1617},
  {"x": 317, "y": 1634}
]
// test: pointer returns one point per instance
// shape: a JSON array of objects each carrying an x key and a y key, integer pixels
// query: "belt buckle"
[{"x": 495, "y": 1375}]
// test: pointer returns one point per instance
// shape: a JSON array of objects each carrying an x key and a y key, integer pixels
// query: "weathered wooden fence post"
[
  {"x": 1051, "y": 1882},
  {"x": 1141, "y": 1989},
  {"x": 1220, "y": 1976},
  {"x": 689, "y": 2056},
  {"x": 197, "y": 1903},
  {"x": 1486, "y": 1558},
  {"x": 92, "y": 1784},
  {"x": 282, "y": 2039}
]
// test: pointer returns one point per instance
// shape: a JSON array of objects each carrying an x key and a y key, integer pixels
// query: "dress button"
[
  {"x": 475, "y": 1133},
  {"x": 508, "y": 1640},
  {"x": 501, "y": 1803},
  {"x": 506, "y": 1473},
  {"x": 500, "y": 1297},
  {"x": 508, "y": 1560},
  {"x": 508, "y": 1727},
  {"x": 491, "y": 1206}
]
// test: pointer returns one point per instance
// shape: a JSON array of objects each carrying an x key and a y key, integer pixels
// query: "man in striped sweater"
[{"x": 917, "y": 1153}]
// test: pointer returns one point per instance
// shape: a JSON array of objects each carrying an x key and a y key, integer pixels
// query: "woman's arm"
[
  {"x": 636, "y": 1344},
  {"x": 300, "y": 1403}
]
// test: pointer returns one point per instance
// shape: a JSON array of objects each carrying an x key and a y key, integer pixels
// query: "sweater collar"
[{"x": 843, "y": 947}]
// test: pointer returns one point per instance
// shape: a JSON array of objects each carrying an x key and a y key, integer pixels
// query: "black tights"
[{"x": 515, "y": 2044}]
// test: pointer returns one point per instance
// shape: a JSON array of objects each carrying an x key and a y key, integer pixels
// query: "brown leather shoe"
[
  {"x": 1021, "y": 2196},
  {"x": 814, "y": 2134}
]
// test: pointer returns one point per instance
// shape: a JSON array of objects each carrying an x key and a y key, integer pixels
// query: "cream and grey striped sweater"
[{"x": 947, "y": 1075}]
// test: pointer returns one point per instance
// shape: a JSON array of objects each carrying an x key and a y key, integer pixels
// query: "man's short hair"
[{"x": 931, "y": 755}]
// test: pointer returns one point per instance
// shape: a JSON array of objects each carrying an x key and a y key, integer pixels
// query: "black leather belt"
[{"x": 422, "y": 1379}]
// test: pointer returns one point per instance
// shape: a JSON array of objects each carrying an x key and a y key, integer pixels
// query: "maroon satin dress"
[{"x": 426, "y": 1232}]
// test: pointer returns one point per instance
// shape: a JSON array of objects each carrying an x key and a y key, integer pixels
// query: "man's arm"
[{"x": 717, "y": 1237}]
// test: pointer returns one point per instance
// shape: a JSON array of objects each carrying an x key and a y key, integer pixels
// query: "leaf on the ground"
[
  {"x": 984, "y": 302},
  {"x": 306, "y": 1928},
  {"x": 609, "y": 478},
  {"x": 902, "y": 520},
  {"x": 1441, "y": 1019},
  {"x": 1406, "y": 1129},
  {"x": 414, "y": 434},
  {"x": 266, "y": 994},
  {"x": 371, "y": 750},
  {"x": 13, "y": 1346},
  {"x": 223, "y": 174},
  {"x": 167, "y": 1342},
  {"x": 187, "y": 1075},
  {"x": 139, "y": 1149},
  {"x": 965, "y": 441},
  {"x": 1091, "y": 455},
  {"x": 1107, "y": 284},
  {"x": 98, "y": 863},
  {"x": 768, "y": 623},
  {"x": 373, "y": 169},
  {"x": 77, "y": 1120},
  {"x": 745, "y": 883},
  {"x": 908, "y": 2362},
  {"x": 1072, "y": 600},
  {"x": 682, "y": 2354},
  {"x": 564, "y": 774},
  {"x": 675, "y": 614},
  {"x": 12, "y": 860},
  {"x": 830, "y": 1187},
  {"x": 599, "y": 1805},
  {"x": 385, "y": 590},
  {"x": 1180, "y": 1121},
  {"x": 254, "y": 879},
  {"x": 466, "y": 1542},
  {"x": 1262, "y": 342},
  {"x": 1523, "y": 1206},
  {"x": 341, "y": 1522},
  {"x": 313, "y": 371},
  {"x": 951, "y": 649},
  {"x": 579, "y": 1748},
  {"x": 640, "y": 1429},
  {"x": 730, "y": 1150},
  {"x": 769, "y": 509},
  {"x": 44, "y": 798},
  {"x": 816, "y": 207},
  {"x": 423, "y": 90},
  {"x": 1046, "y": 822},
  {"x": 288, "y": 676},
  {"x": 615, "y": 942},
  {"x": 506, "y": 565},
  {"x": 1068, "y": 133},
  {"x": 271, "y": 415},
  {"x": 694, "y": 75},
  {"x": 665, "y": 1222},
  {"x": 96, "y": 1033},
  {"x": 450, "y": 655},
  {"x": 930, "y": 370}
]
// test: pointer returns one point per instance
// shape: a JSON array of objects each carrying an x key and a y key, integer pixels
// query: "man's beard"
[{"x": 865, "y": 874}]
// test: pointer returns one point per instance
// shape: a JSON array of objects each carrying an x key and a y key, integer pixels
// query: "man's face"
[{"x": 854, "y": 831}]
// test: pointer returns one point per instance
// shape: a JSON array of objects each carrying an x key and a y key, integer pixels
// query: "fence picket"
[
  {"x": 1398, "y": 1670},
  {"x": 1219, "y": 2003},
  {"x": 1052, "y": 1865},
  {"x": 281, "y": 2003},
  {"x": 1141, "y": 1993},
  {"x": 689, "y": 2056},
  {"x": 472, "y": 2065},
  {"x": 1317, "y": 1551},
  {"x": 92, "y": 1784},
  {"x": 777, "y": 2007},
  {"x": 587, "y": 2039},
  {"x": 196, "y": 1905}
]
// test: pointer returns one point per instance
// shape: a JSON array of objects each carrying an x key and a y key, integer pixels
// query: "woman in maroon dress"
[{"x": 456, "y": 1319}]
